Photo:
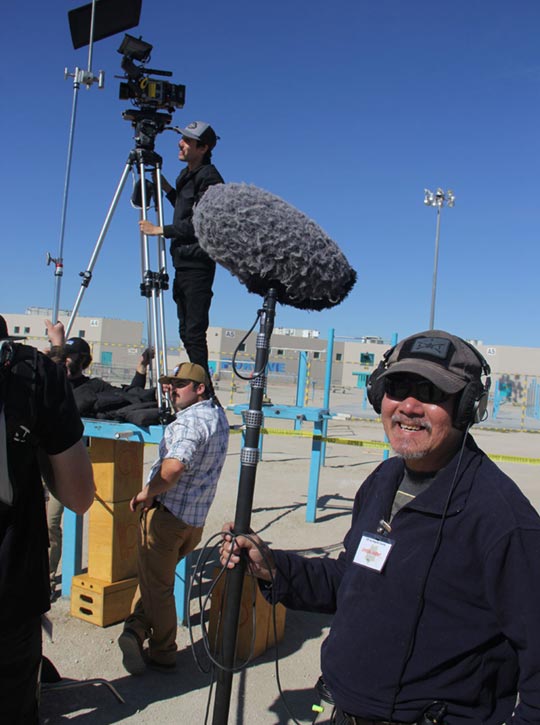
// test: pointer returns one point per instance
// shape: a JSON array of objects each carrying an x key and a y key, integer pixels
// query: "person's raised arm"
[
  {"x": 57, "y": 336},
  {"x": 73, "y": 479}
]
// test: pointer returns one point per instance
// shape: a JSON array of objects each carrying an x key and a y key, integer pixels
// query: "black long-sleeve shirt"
[{"x": 190, "y": 186}]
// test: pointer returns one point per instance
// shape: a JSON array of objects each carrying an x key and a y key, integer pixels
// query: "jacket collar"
[{"x": 458, "y": 474}]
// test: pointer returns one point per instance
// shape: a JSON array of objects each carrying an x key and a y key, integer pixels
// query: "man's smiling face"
[{"x": 420, "y": 432}]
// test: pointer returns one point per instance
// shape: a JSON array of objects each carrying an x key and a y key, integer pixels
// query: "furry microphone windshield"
[{"x": 268, "y": 244}]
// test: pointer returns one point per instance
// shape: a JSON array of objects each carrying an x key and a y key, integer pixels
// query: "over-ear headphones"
[{"x": 471, "y": 405}]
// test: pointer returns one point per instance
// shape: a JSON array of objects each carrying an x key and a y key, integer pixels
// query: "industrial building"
[{"x": 116, "y": 345}]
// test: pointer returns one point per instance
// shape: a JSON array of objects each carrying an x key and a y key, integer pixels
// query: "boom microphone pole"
[
  {"x": 278, "y": 252},
  {"x": 249, "y": 458}
]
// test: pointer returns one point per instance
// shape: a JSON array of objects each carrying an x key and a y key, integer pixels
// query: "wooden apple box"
[
  {"x": 246, "y": 644},
  {"x": 112, "y": 541},
  {"x": 118, "y": 468},
  {"x": 100, "y": 602}
]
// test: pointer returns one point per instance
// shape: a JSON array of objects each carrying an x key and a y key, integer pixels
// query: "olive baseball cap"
[
  {"x": 447, "y": 361},
  {"x": 187, "y": 371}
]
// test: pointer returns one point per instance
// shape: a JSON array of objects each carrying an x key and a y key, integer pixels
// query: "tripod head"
[{"x": 147, "y": 124}]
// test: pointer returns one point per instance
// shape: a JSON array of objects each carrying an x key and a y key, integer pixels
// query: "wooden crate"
[
  {"x": 264, "y": 625},
  {"x": 118, "y": 468},
  {"x": 112, "y": 541},
  {"x": 100, "y": 602}
]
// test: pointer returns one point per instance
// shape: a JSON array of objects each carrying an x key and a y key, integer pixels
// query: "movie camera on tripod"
[
  {"x": 149, "y": 94},
  {"x": 156, "y": 100},
  {"x": 146, "y": 92}
]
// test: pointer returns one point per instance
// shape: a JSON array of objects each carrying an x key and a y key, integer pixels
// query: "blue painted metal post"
[
  {"x": 386, "y": 452},
  {"x": 181, "y": 588},
  {"x": 496, "y": 401},
  {"x": 327, "y": 386},
  {"x": 301, "y": 384},
  {"x": 314, "y": 471},
  {"x": 72, "y": 528}
]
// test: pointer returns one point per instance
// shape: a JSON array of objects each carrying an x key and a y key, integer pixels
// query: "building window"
[
  {"x": 26, "y": 330},
  {"x": 16, "y": 329},
  {"x": 279, "y": 352},
  {"x": 82, "y": 333},
  {"x": 242, "y": 347},
  {"x": 316, "y": 355},
  {"x": 367, "y": 358},
  {"x": 339, "y": 357}
]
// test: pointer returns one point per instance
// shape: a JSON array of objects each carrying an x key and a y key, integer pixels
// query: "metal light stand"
[
  {"x": 86, "y": 77},
  {"x": 249, "y": 458},
  {"x": 153, "y": 283},
  {"x": 438, "y": 200}
]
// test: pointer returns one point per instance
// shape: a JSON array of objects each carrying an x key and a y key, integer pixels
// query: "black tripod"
[{"x": 147, "y": 123}]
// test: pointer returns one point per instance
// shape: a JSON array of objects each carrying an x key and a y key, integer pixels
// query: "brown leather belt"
[{"x": 159, "y": 505}]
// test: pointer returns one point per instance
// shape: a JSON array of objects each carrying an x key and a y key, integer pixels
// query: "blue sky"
[{"x": 347, "y": 110}]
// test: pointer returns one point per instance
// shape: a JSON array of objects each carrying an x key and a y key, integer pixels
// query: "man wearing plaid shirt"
[{"x": 174, "y": 505}]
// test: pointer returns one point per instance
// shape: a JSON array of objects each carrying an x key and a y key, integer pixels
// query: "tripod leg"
[
  {"x": 153, "y": 283},
  {"x": 87, "y": 275},
  {"x": 162, "y": 275}
]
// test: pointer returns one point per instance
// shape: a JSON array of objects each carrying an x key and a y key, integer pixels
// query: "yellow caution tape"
[
  {"x": 376, "y": 444},
  {"x": 514, "y": 459}
]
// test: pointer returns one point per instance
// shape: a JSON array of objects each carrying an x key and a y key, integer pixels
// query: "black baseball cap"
[
  {"x": 76, "y": 345},
  {"x": 447, "y": 361},
  {"x": 201, "y": 131},
  {"x": 4, "y": 334}
]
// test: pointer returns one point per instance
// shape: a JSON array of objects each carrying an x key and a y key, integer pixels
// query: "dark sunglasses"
[
  {"x": 181, "y": 383},
  {"x": 400, "y": 388}
]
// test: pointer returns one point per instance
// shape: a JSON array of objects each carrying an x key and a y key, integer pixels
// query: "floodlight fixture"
[{"x": 438, "y": 200}]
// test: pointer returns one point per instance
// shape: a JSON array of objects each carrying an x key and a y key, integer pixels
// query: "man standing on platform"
[
  {"x": 174, "y": 506},
  {"x": 194, "y": 269}
]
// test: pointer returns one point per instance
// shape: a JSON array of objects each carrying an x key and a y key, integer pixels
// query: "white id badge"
[{"x": 373, "y": 551}]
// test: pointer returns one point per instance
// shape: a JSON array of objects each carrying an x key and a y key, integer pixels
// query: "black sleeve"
[
  {"x": 182, "y": 231},
  {"x": 59, "y": 425},
  {"x": 138, "y": 380}
]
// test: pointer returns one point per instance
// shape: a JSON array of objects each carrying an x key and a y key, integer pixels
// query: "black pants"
[
  {"x": 20, "y": 657},
  {"x": 192, "y": 292}
]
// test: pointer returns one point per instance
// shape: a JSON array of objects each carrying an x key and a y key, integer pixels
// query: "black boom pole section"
[{"x": 244, "y": 503}]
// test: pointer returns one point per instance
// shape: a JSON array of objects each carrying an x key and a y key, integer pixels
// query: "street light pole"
[{"x": 437, "y": 199}]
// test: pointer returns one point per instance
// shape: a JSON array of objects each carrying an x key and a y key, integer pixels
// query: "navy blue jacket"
[
  {"x": 190, "y": 186},
  {"x": 455, "y": 613}
]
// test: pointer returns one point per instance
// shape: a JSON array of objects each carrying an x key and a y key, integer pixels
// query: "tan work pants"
[{"x": 163, "y": 541}]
